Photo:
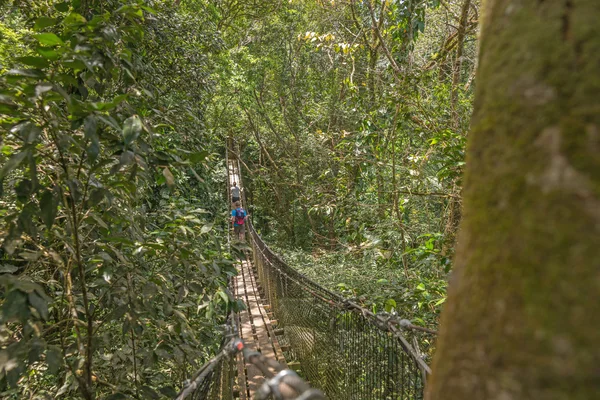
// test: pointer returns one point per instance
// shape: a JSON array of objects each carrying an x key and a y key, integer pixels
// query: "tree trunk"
[
  {"x": 522, "y": 319},
  {"x": 452, "y": 223},
  {"x": 462, "y": 28}
]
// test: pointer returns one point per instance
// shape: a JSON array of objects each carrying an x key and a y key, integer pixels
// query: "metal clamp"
[{"x": 287, "y": 385}]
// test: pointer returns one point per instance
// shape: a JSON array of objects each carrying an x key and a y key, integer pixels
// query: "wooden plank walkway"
[
  {"x": 254, "y": 323},
  {"x": 255, "y": 329}
]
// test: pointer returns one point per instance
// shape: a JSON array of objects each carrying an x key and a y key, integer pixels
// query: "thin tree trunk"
[
  {"x": 396, "y": 204},
  {"x": 522, "y": 319},
  {"x": 452, "y": 223},
  {"x": 460, "y": 42},
  {"x": 454, "y": 206}
]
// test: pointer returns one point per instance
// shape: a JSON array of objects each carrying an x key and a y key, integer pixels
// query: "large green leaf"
[
  {"x": 63, "y": 6},
  {"x": 90, "y": 127},
  {"x": 44, "y": 22},
  {"x": 39, "y": 304},
  {"x": 28, "y": 73},
  {"x": 37, "y": 62},
  {"x": 15, "y": 306},
  {"x": 132, "y": 128},
  {"x": 8, "y": 269},
  {"x": 207, "y": 228},
  {"x": 13, "y": 162},
  {"x": 48, "y": 39},
  {"x": 23, "y": 190},
  {"x": 198, "y": 156},
  {"x": 43, "y": 88},
  {"x": 54, "y": 359},
  {"x": 74, "y": 19},
  {"x": 47, "y": 53}
]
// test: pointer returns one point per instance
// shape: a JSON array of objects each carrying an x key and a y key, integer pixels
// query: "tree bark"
[{"x": 522, "y": 319}]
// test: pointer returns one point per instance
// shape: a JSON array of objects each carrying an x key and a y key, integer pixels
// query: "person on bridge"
[
  {"x": 238, "y": 219},
  {"x": 235, "y": 193}
]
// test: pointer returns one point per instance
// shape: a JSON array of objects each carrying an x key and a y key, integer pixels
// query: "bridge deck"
[{"x": 255, "y": 326}]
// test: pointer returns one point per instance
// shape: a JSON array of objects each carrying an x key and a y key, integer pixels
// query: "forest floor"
[{"x": 365, "y": 278}]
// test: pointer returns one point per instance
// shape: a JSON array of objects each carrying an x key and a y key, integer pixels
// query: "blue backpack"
[{"x": 239, "y": 216}]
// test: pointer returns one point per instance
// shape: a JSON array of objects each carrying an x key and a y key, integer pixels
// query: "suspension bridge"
[{"x": 338, "y": 349}]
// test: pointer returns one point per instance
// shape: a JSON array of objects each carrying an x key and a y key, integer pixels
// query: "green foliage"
[
  {"x": 353, "y": 141},
  {"x": 335, "y": 140},
  {"x": 113, "y": 116},
  {"x": 114, "y": 276}
]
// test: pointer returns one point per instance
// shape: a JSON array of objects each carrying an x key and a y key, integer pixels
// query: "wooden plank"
[
  {"x": 267, "y": 338},
  {"x": 276, "y": 346},
  {"x": 269, "y": 325},
  {"x": 254, "y": 377},
  {"x": 278, "y": 354},
  {"x": 254, "y": 328},
  {"x": 257, "y": 319}
]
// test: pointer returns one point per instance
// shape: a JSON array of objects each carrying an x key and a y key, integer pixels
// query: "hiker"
[
  {"x": 235, "y": 193},
  {"x": 238, "y": 219}
]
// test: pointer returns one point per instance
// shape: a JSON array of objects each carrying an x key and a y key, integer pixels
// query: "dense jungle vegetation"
[
  {"x": 114, "y": 254},
  {"x": 350, "y": 118}
]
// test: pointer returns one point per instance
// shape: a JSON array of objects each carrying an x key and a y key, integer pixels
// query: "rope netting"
[{"x": 342, "y": 348}]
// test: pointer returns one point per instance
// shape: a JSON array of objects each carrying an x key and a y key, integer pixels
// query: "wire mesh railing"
[{"x": 343, "y": 349}]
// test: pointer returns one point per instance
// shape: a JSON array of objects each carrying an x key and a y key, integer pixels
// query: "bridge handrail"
[{"x": 337, "y": 300}]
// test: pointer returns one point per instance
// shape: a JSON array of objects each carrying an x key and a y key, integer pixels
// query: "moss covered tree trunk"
[{"x": 522, "y": 320}]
